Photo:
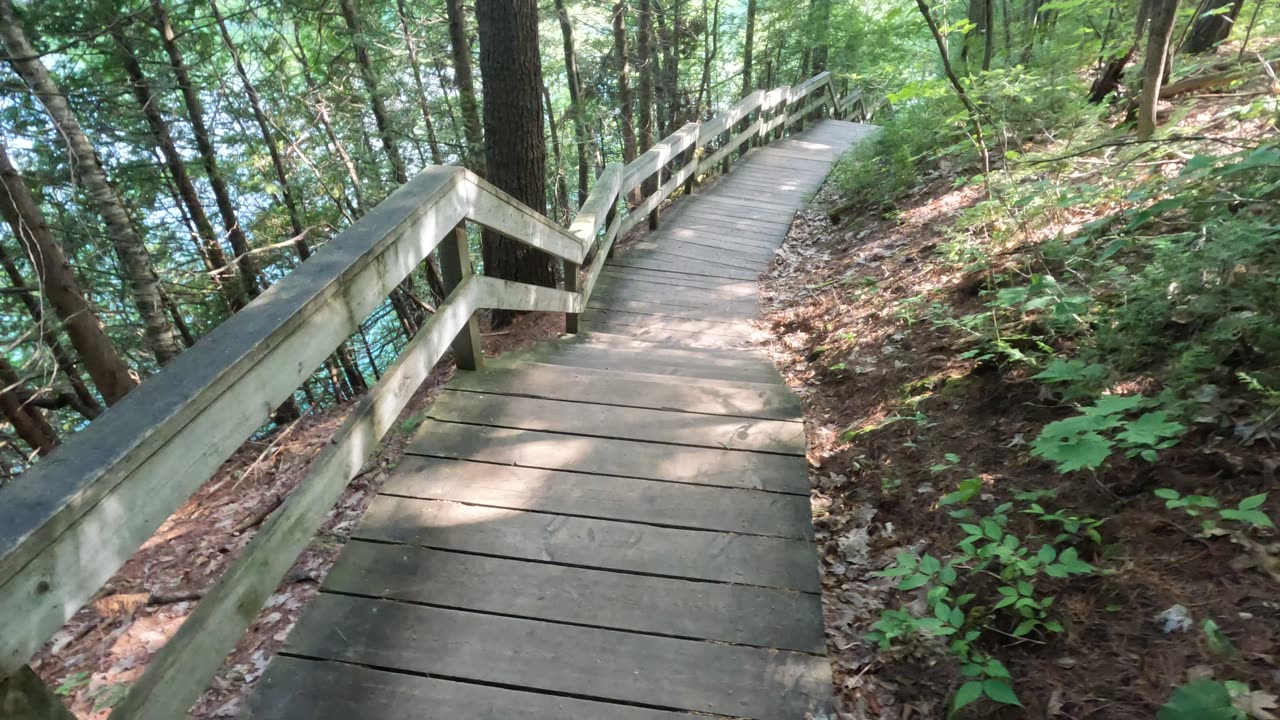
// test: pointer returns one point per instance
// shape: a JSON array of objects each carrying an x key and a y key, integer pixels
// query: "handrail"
[{"x": 85, "y": 509}]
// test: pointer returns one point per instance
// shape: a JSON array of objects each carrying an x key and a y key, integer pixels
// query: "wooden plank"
[
  {"x": 662, "y": 504},
  {"x": 180, "y": 671},
  {"x": 73, "y": 519},
  {"x": 774, "y": 402},
  {"x": 455, "y": 267},
  {"x": 621, "y": 458},
  {"x": 587, "y": 542},
  {"x": 24, "y": 696},
  {"x": 589, "y": 221},
  {"x": 659, "y": 276},
  {"x": 748, "y": 210},
  {"x": 694, "y": 268},
  {"x": 762, "y": 617},
  {"x": 617, "y": 422},
  {"x": 676, "y": 338},
  {"x": 727, "y": 252},
  {"x": 700, "y": 256},
  {"x": 708, "y": 311},
  {"x": 736, "y": 331},
  {"x": 678, "y": 296},
  {"x": 659, "y": 354},
  {"x": 496, "y": 210},
  {"x": 322, "y": 690},
  {"x": 582, "y": 662}
]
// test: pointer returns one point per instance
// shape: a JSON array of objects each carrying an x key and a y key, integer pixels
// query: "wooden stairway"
[{"x": 613, "y": 526}]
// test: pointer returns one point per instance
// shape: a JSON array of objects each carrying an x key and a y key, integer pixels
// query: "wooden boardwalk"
[{"x": 614, "y": 526}]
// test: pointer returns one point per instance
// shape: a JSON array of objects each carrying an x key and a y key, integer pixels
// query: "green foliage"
[
  {"x": 1201, "y": 700},
  {"x": 71, "y": 683},
  {"x": 1085, "y": 441},
  {"x": 1245, "y": 513}
]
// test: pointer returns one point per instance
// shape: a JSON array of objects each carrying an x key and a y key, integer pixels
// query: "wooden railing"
[{"x": 79, "y": 514}]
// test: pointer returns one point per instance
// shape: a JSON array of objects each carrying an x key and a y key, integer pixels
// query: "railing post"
[
  {"x": 691, "y": 158},
  {"x": 24, "y": 696},
  {"x": 571, "y": 285},
  {"x": 608, "y": 223},
  {"x": 455, "y": 266},
  {"x": 653, "y": 186}
]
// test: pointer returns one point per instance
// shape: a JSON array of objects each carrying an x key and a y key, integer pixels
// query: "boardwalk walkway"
[{"x": 614, "y": 526}]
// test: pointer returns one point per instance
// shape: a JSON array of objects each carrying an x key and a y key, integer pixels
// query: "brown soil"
[
  {"x": 864, "y": 356},
  {"x": 107, "y": 644}
]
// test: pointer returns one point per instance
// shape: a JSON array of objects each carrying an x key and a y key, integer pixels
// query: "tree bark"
[
  {"x": 821, "y": 26},
  {"x": 625, "y": 108},
  {"x": 559, "y": 179},
  {"x": 27, "y": 420},
  {"x": 474, "y": 155},
  {"x": 975, "y": 115},
  {"x": 748, "y": 48},
  {"x": 710, "y": 47},
  {"x": 377, "y": 104},
  {"x": 644, "y": 50},
  {"x": 84, "y": 401},
  {"x": 1112, "y": 71},
  {"x": 223, "y": 276},
  {"x": 1210, "y": 29},
  {"x": 576, "y": 110},
  {"x": 514, "y": 142},
  {"x": 135, "y": 264},
  {"x": 1163, "y": 14},
  {"x": 433, "y": 144}
]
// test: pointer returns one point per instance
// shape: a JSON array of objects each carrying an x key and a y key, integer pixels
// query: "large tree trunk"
[
  {"x": 982, "y": 36},
  {"x": 625, "y": 108},
  {"x": 1211, "y": 29},
  {"x": 748, "y": 48},
  {"x": 135, "y": 264},
  {"x": 411, "y": 45},
  {"x": 82, "y": 399},
  {"x": 381, "y": 119},
  {"x": 575, "y": 100},
  {"x": 27, "y": 420},
  {"x": 223, "y": 276},
  {"x": 514, "y": 143},
  {"x": 208, "y": 154},
  {"x": 474, "y": 155},
  {"x": 107, "y": 369},
  {"x": 1163, "y": 14}
]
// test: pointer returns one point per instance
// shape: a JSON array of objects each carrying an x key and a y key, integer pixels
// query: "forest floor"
[
  {"x": 106, "y": 646},
  {"x": 896, "y": 417}
]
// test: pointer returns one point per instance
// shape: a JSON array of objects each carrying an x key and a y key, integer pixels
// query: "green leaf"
[
  {"x": 1167, "y": 494},
  {"x": 967, "y": 693},
  {"x": 929, "y": 564},
  {"x": 1217, "y": 641},
  {"x": 1116, "y": 404},
  {"x": 996, "y": 669},
  {"x": 1253, "y": 501},
  {"x": 1047, "y": 554},
  {"x": 1256, "y": 518},
  {"x": 998, "y": 689},
  {"x": 1025, "y": 627},
  {"x": 1071, "y": 450},
  {"x": 1200, "y": 700},
  {"x": 1150, "y": 429},
  {"x": 913, "y": 582}
]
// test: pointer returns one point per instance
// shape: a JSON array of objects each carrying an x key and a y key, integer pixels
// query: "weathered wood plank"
[
  {"x": 587, "y": 542},
  {"x": 612, "y": 360},
  {"x": 693, "y": 268},
  {"x": 763, "y": 617},
  {"x": 745, "y": 288},
  {"x": 731, "y": 330},
  {"x": 709, "y": 310},
  {"x": 622, "y": 458},
  {"x": 617, "y": 422},
  {"x": 325, "y": 690},
  {"x": 608, "y": 498},
  {"x": 677, "y": 338},
  {"x": 584, "y": 662},
  {"x": 775, "y": 402}
]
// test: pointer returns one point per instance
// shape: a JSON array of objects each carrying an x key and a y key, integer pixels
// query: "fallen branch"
[{"x": 1211, "y": 80}]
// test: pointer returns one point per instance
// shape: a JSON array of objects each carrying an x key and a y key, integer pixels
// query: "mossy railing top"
[{"x": 76, "y": 516}]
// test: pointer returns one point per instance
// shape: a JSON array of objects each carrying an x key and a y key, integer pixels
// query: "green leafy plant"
[
  {"x": 1245, "y": 512},
  {"x": 71, "y": 683},
  {"x": 1201, "y": 700},
  {"x": 1085, "y": 441}
]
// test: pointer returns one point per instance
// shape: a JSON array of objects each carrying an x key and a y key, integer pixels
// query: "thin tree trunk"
[
  {"x": 515, "y": 145},
  {"x": 748, "y": 48},
  {"x": 559, "y": 188},
  {"x": 27, "y": 420},
  {"x": 575, "y": 100},
  {"x": 432, "y": 143},
  {"x": 975, "y": 115},
  {"x": 710, "y": 47},
  {"x": 821, "y": 47},
  {"x": 208, "y": 154},
  {"x": 625, "y": 108},
  {"x": 644, "y": 50},
  {"x": 377, "y": 104},
  {"x": 1253, "y": 20},
  {"x": 1109, "y": 76},
  {"x": 135, "y": 264},
  {"x": 223, "y": 276},
  {"x": 85, "y": 403},
  {"x": 474, "y": 156},
  {"x": 1163, "y": 14},
  {"x": 675, "y": 109}
]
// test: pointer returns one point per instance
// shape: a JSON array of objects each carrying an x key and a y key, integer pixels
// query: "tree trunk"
[
  {"x": 1163, "y": 14},
  {"x": 27, "y": 420},
  {"x": 223, "y": 276},
  {"x": 624, "y": 81},
  {"x": 381, "y": 119},
  {"x": 710, "y": 47},
  {"x": 433, "y": 144},
  {"x": 208, "y": 154},
  {"x": 644, "y": 50},
  {"x": 85, "y": 403},
  {"x": 822, "y": 29},
  {"x": 1112, "y": 71},
  {"x": 1211, "y": 29},
  {"x": 559, "y": 179},
  {"x": 748, "y": 48},
  {"x": 675, "y": 103},
  {"x": 135, "y": 264},
  {"x": 474, "y": 155},
  {"x": 575, "y": 100},
  {"x": 514, "y": 143}
]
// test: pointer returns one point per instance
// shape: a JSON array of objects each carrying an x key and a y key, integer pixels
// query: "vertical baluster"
[{"x": 455, "y": 266}]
